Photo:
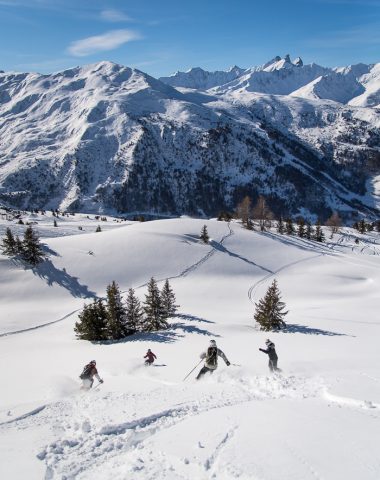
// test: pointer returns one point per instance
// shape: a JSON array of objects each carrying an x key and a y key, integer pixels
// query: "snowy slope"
[{"x": 319, "y": 419}]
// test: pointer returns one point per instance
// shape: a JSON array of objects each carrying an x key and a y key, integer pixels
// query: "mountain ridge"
[{"x": 109, "y": 137}]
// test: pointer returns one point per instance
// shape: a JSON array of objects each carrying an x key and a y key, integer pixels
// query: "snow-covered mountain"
[{"x": 105, "y": 136}]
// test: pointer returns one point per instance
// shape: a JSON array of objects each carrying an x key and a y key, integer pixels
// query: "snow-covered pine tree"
[
  {"x": 280, "y": 226},
  {"x": 319, "y": 236},
  {"x": 31, "y": 247},
  {"x": 133, "y": 313},
  {"x": 98, "y": 229},
  {"x": 269, "y": 312},
  {"x": 9, "y": 246},
  {"x": 116, "y": 319},
  {"x": 168, "y": 300},
  {"x": 154, "y": 315},
  {"x": 204, "y": 235},
  {"x": 92, "y": 324}
]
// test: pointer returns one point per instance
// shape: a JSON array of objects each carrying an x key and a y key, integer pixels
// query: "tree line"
[{"x": 113, "y": 319}]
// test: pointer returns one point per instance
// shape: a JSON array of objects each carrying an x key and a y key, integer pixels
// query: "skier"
[
  {"x": 87, "y": 376},
  {"x": 271, "y": 352},
  {"x": 150, "y": 356},
  {"x": 211, "y": 359}
]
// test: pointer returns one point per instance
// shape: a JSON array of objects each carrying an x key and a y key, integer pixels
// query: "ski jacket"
[
  {"x": 90, "y": 371},
  {"x": 151, "y": 356},
  {"x": 270, "y": 351},
  {"x": 211, "y": 357}
]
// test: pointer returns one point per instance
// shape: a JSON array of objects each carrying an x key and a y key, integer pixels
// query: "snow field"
[{"x": 319, "y": 418}]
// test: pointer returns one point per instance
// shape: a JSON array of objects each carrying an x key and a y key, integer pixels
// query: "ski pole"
[
  {"x": 96, "y": 386},
  {"x": 235, "y": 364},
  {"x": 201, "y": 360}
]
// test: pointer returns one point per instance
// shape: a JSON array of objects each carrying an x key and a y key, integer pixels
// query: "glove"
[
  {"x": 101, "y": 381},
  {"x": 228, "y": 364}
]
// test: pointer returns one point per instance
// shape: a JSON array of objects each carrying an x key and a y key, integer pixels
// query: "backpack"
[
  {"x": 86, "y": 372},
  {"x": 212, "y": 356}
]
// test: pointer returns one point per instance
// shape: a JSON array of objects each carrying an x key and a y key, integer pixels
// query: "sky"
[{"x": 163, "y": 36}]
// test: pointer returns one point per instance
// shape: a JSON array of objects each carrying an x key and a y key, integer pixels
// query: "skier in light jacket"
[
  {"x": 271, "y": 352},
  {"x": 211, "y": 359}
]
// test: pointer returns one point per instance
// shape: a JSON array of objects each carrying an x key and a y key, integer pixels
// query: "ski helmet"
[
  {"x": 267, "y": 341},
  {"x": 93, "y": 362},
  {"x": 213, "y": 343}
]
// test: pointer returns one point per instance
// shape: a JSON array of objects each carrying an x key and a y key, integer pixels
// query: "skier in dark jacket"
[
  {"x": 150, "y": 356},
  {"x": 87, "y": 376},
  {"x": 211, "y": 359},
  {"x": 271, "y": 352}
]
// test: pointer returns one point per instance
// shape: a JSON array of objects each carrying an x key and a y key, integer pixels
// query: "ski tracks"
[{"x": 254, "y": 287}]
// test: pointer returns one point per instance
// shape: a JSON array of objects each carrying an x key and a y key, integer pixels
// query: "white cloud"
[
  {"x": 101, "y": 43},
  {"x": 112, "y": 15}
]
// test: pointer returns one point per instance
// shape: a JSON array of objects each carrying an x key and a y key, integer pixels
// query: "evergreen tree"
[
  {"x": 377, "y": 224},
  {"x": 116, "y": 321},
  {"x": 168, "y": 300},
  {"x": 55, "y": 223},
  {"x": 204, "y": 235},
  {"x": 309, "y": 231},
  {"x": 280, "y": 226},
  {"x": 98, "y": 229},
  {"x": 361, "y": 226},
  {"x": 289, "y": 227},
  {"x": 31, "y": 247},
  {"x": 133, "y": 313},
  {"x": 301, "y": 230},
  {"x": 92, "y": 324},
  {"x": 9, "y": 245},
  {"x": 319, "y": 236},
  {"x": 154, "y": 314},
  {"x": 19, "y": 246},
  {"x": 269, "y": 312}
]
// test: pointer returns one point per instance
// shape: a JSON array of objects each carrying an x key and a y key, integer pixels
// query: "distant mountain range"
[{"x": 105, "y": 137}]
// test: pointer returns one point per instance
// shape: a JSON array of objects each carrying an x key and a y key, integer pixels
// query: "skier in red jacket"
[{"x": 150, "y": 356}]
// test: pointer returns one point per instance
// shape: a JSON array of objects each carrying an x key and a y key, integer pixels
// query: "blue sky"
[{"x": 162, "y": 36}]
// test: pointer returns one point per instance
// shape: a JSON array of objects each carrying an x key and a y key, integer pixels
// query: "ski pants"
[
  {"x": 87, "y": 382},
  {"x": 204, "y": 370},
  {"x": 149, "y": 362},
  {"x": 273, "y": 365}
]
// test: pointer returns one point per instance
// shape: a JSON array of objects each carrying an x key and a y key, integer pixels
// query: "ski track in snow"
[
  {"x": 82, "y": 445},
  {"x": 87, "y": 439},
  {"x": 184, "y": 273},
  {"x": 200, "y": 262},
  {"x": 36, "y": 327},
  {"x": 254, "y": 287}
]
